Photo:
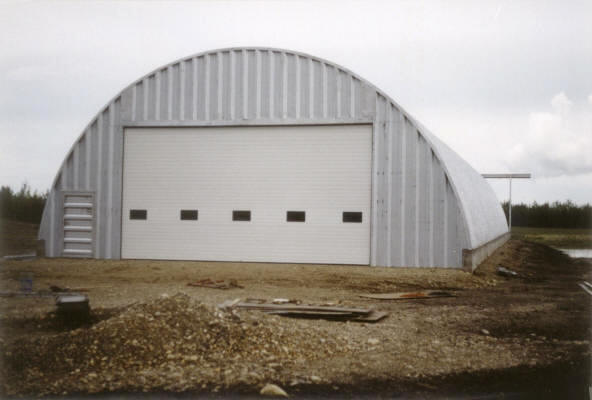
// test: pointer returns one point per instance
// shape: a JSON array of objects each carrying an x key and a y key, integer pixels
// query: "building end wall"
[{"x": 474, "y": 257}]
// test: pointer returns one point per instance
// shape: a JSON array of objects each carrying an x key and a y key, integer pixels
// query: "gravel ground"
[{"x": 152, "y": 333}]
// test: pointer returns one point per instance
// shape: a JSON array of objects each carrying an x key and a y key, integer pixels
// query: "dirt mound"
[{"x": 171, "y": 343}]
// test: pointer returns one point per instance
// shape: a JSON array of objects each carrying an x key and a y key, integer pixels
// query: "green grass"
[{"x": 556, "y": 237}]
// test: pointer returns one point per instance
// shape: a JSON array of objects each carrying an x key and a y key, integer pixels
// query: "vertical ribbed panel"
[
  {"x": 81, "y": 165},
  {"x": 50, "y": 219},
  {"x": 75, "y": 165},
  {"x": 410, "y": 137},
  {"x": 422, "y": 214},
  {"x": 98, "y": 174},
  {"x": 163, "y": 95},
  {"x": 439, "y": 214},
  {"x": 291, "y": 90},
  {"x": 199, "y": 89},
  {"x": 226, "y": 89},
  {"x": 114, "y": 233},
  {"x": 416, "y": 218},
  {"x": 270, "y": 83},
  {"x": 175, "y": 90},
  {"x": 213, "y": 84},
  {"x": 150, "y": 101},
  {"x": 185, "y": 85},
  {"x": 380, "y": 184},
  {"x": 69, "y": 172},
  {"x": 263, "y": 84},
  {"x": 87, "y": 158}
]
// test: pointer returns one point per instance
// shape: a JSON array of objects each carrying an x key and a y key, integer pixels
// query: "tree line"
[
  {"x": 553, "y": 215},
  {"x": 27, "y": 206},
  {"x": 24, "y": 205}
]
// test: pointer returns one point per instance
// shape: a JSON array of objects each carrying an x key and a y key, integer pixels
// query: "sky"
[{"x": 506, "y": 84}]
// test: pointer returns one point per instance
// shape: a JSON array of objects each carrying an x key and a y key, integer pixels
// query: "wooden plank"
[
  {"x": 314, "y": 314},
  {"x": 292, "y": 307},
  {"x": 374, "y": 316},
  {"x": 310, "y": 311},
  {"x": 216, "y": 284},
  {"x": 425, "y": 294}
]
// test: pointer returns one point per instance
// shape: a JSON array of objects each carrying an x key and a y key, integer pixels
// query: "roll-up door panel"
[{"x": 323, "y": 171}]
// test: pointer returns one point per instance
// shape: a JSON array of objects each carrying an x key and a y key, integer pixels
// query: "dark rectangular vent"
[
  {"x": 352, "y": 216},
  {"x": 295, "y": 216},
  {"x": 189, "y": 215},
  {"x": 241, "y": 215},
  {"x": 138, "y": 214}
]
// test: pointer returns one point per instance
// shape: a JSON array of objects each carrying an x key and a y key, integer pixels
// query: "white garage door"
[{"x": 279, "y": 194}]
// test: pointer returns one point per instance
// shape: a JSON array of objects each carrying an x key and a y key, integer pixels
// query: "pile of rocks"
[{"x": 171, "y": 343}]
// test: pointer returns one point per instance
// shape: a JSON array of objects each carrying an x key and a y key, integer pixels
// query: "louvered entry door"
[{"x": 79, "y": 224}]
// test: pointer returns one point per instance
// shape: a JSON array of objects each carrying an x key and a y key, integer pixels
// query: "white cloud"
[
  {"x": 561, "y": 104},
  {"x": 557, "y": 143}
]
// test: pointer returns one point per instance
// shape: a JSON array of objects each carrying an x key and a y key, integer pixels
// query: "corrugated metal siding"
[
  {"x": 417, "y": 219},
  {"x": 249, "y": 85},
  {"x": 483, "y": 212}
]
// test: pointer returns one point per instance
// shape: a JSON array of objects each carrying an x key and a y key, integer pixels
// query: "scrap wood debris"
[
  {"x": 216, "y": 284},
  {"x": 424, "y": 294},
  {"x": 273, "y": 390},
  {"x": 274, "y": 301},
  {"x": 586, "y": 286},
  {"x": 309, "y": 311},
  {"x": 502, "y": 271},
  {"x": 172, "y": 343}
]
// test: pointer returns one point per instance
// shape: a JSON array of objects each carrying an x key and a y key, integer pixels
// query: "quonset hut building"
[{"x": 266, "y": 155}]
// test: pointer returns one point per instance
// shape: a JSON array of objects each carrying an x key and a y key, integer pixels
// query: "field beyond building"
[{"x": 561, "y": 238}]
